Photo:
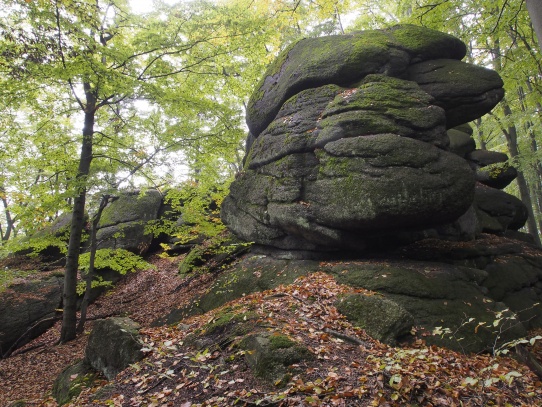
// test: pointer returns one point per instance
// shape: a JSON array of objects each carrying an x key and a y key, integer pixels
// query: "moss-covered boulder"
[
  {"x": 348, "y": 145},
  {"x": 73, "y": 379},
  {"x": 113, "y": 345},
  {"x": 344, "y": 60},
  {"x": 492, "y": 168},
  {"x": 499, "y": 211},
  {"x": 381, "y": 318},
  {"x": 123, "y": 221},
  {"x": 465, "y": 91},
  {"x": 270, "y": 355},
  {"x": 451, "y": 301}
]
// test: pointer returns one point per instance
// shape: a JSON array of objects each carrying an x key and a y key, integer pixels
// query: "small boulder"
[
  {"x": 499, "y": 211},
  {"x": 113, "y": 345},
  {"x": 71, "y": 381},
  {"x": 270, "y": 355},
  {"x": 381, "y": 318}
]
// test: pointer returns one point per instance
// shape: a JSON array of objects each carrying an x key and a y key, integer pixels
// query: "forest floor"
[{"x": 348, "y": 368}]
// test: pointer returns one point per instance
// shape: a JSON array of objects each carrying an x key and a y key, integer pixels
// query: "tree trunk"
[
  {"x": 535, "y": 12},
  {"x": 9, "y": 221},
  {"x": 69, "y": 297},
  {"x": 512, "y": 141},
  {"x": 90, "y": 273}
]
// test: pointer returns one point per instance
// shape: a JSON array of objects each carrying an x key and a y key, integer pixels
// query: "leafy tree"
[{"x": 104, "y": 61}]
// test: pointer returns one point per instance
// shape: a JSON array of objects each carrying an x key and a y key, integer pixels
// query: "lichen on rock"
[{"x": 349, "y": 145}]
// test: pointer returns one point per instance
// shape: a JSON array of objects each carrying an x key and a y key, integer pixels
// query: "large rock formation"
[
  {"x": 353, "y": 143},
  {"x": 360, "y": 142}
]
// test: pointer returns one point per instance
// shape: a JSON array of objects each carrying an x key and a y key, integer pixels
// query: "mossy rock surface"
[
  {"x": 253, "y": 273},
  {"x": 123, "y": 222},
  {"x": 113, "y": 345},
  {"x": 344, "y": 60},
  {"x": 435, "y": 295},
  {"x": 73, "y": 379},
  {"x": 465, "y": 91},
  {"x": 28, "y": 309},
  {"x": 230, "y": 325},
  {"x": 130, "y": 207},
  {"x": 381, "y": 318},
  {"x": 212, "y": 254},
  {"x": 270, "y": 355}
]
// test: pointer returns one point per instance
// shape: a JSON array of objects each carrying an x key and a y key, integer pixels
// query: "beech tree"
[{"x": 104, "y": 60}]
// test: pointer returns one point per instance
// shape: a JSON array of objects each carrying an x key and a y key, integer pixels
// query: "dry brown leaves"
[
  {"x": 348, "y": 369},
  {"x": 367, "y": 373}
]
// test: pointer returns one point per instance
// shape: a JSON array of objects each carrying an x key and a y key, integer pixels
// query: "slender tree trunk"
[
  {"x": 480, "y": 138},
  {"x": 512, "y": 141},
  {"x": 535, "y": 12},
  {"x": 9, "y": 221},
  {"x": 69, "y": 298},
  {"x": 90, "y": 273}
]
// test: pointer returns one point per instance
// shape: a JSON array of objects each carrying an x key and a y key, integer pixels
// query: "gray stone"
[
  {"x": 123, "y": 221},
  {"x": 344, "y": 60},
  {"x": 27, "y": 310},
  {"x": 71, "y": 381},
  {"x": 505, "y": 211},
  {"x": 466, "y": 92},
  {"x": 113, "y": 345},
  {"x": 382, "y": 319},
  {"x": 270, "y": 355},
  {"x": 461, "y": 143},
  {"x": 345, "y": 153}
]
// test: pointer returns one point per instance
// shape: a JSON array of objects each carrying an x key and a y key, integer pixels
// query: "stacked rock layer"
[{"x": 349, "y": 143}]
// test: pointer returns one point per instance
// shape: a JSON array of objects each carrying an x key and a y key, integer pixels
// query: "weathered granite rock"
[
  {"x": 27, "y": 310},
  {"x": 344, "y": 60},
  {"x": 381, "y": 318},
  {"x": 448, "y": 284},
  {"x": 348, "y": 146},
  {"x": 492, "y": 168},
  {"x": 499, "y": 211},
  {"x": 122, "y": 225},
  {"x": 71, "y": 381},
  {"x": 113, "y": 345},
  {"x": 466, "y": 92},
  {"x": 461, "y": 142}
]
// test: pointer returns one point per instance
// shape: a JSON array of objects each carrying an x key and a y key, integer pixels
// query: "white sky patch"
[{"x": 146, "y": 6}]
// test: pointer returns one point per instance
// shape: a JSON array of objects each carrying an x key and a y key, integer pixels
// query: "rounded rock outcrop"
[{"x": 349, "y": 143}]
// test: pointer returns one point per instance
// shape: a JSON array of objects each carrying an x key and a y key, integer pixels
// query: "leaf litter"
[{"x": 348, "y": 368}]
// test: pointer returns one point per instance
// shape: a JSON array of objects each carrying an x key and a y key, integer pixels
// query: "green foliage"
[
  {"x": 9, "y": 276},
  {"x": 119, "y": 260},
  {"x": 33, "y": 247}
]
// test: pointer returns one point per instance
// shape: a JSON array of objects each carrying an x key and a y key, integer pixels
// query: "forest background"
[{"x": 96, "y": 98}]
